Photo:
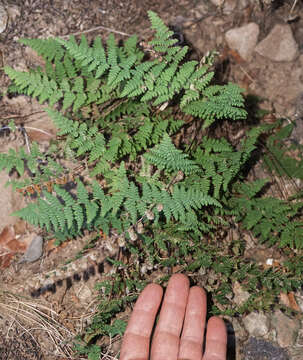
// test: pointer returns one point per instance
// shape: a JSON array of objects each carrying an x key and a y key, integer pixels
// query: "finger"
[
  {"x": 216, "y": 340},
  {"x": 166, "y": 339},
  {"x": 136, "y": 339},
  {"x": 194, "y": 325}
]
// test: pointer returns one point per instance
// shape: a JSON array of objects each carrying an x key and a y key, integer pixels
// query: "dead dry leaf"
[
  {"x": 7, "y": 234},
  {"x": 51, "y": 246},
  {"x": 289, "y": 300}
]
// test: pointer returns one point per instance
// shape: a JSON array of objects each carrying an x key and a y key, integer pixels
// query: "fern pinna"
[{"x": 115, "y": 110}]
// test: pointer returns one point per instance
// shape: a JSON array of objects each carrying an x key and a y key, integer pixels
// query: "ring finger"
[{"x": 194, "y": 325}]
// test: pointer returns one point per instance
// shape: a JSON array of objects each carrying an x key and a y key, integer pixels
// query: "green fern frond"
[
  {"x": 12, "y": 160},
  {"x": 277, "y": 159},
  {"x": 65, "y": 125},
  {"x": 270, "y": 219},
  {"x": 82, "y": 193},
  {"x": 167, "y": 156},
  {"x": 219, "y": 102},
  {"x": 60, "y": 212},
  {"x": 49, "y": 49},
  {"x": 33, "y": 161},
  {"x": 253, "y": 188},
  {"x": 124, "y": 74},
  {"x": 162, "y": 31},
  {"x": 184, "y": 73},
  {"x": 36, "y": 84},
  {"x": 130, "y": 46},
  {"x": 93, "y": 58}
]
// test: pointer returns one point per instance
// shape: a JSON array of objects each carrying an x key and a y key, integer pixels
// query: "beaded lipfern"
[
  {"x": 122, "y": 111},
  {"x": 134, "y": 158}
]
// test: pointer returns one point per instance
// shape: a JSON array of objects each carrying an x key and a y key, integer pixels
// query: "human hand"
[{"x": 183, "y": 309}]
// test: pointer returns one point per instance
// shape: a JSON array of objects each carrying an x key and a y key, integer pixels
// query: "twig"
[
  {"x": 42, "y": 321},
  {"x": 22, "y": 129},
  {"x": 293, "y": 6},
  {"x": 200, "y": 18},
  {"x": 96, "y": 29},
  {"x": 21, "y": 116},
  {"x": 14, "y": 320},
  {"x": 247, "y": 74},
  {"x": 26, "y": 139},
  {"x": 36, "y": 129},
  {"x": 27, "y": 127}
]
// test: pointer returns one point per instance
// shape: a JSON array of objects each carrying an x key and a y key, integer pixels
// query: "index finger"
[{"x": 136, "y": 339}]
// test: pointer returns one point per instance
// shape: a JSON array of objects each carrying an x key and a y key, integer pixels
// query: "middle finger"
[{"x": 166, "y": 339}]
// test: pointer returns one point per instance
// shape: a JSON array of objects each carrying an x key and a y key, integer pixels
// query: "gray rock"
[
  {"x": 243, "y": 39},
  {"x": 286, "y": 328},
  {"x": 34, "y": 251},
  {"x": 259, "y": 349},
  {"x": 256, "y": 324},
  {"x": 279, "y": 45}
]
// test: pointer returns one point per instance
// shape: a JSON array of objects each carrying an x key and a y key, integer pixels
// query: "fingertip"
[
  {"x": 179, "y": 278},
  {"x": 217, "y": 324},
  {"x": 216, "y": 339},
  {"x": 197, "y": 302},
  {"x": 151, "y": 296},
  {"x": 154, "y": 288},
  {"x": 177, "y": 289},
  {"x": 198, "y": 291}
]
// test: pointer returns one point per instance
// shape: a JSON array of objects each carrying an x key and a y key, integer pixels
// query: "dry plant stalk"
[{"x": 34, "y": 318}]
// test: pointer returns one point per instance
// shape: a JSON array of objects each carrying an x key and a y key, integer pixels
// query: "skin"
[{"x": 179, "y": 333}]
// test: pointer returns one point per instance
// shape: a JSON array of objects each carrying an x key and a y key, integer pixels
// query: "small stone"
[
  {"x": 13, "y": 12},
  {"x": 83, "y": 293},
  {"x": 279, "y": 45},
  {"x": 286, "y": 329},
  {"x": 256, "y": 324},
  {"x": 299, "y": 107},
  {"x": 243, "y": 4},
  {"x": 34, "y": 251},
  {"x": 295, "y": 353},
  {"x": 240, "y": 295},
  {"x": 227, "y": 6},
  {"x": 299, "y": 341},
  {"x": 3, "y": 18},
  {"x": 243, "y": 39},
  {"x": 299, "y": 299}
]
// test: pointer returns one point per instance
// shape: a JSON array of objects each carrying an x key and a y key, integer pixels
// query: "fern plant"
[
  {"x": 136, "y": 122},
  {"x": 106, "y": 98}
]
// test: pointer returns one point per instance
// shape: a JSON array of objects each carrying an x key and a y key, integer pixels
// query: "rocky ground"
[{"x": 260, "y": 45}]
